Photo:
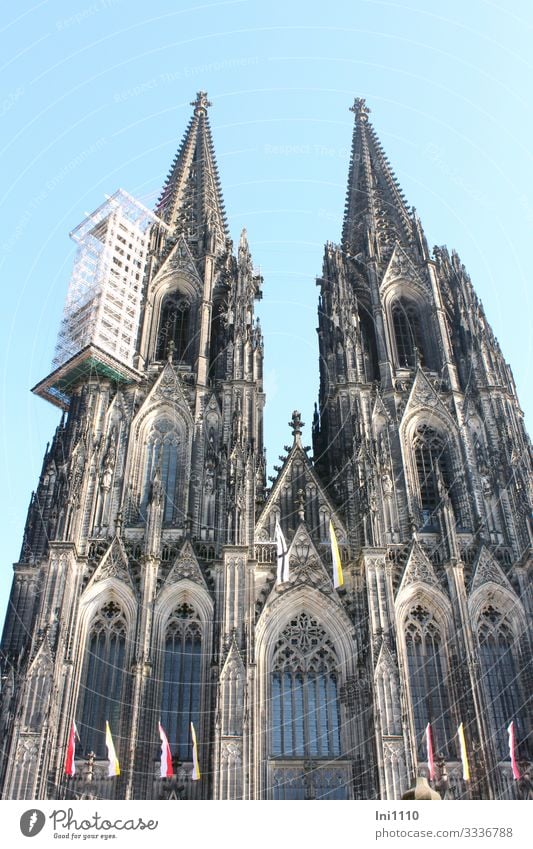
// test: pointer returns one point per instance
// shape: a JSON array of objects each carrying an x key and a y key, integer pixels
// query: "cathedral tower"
[
  {"x": 120, "y": 600},
  {"x": 420, "y": 438},
  {"x": 147, "y": 588}
]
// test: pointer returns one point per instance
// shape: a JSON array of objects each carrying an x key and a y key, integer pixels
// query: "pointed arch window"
[
  {"x": 428, "y": 680},
  {"x": 182, "y": 679},
  {"x": 173, "y": 326},
  {"x": 433, "y": 460},
  {"x": 304, "y": 700},
  {"x": 369, "y": 348},
  {"x": 103, "y": 679},
  {"x": 408, "y": 333},
  {"x": 498, "y": 650},
  {"x": 163, "y": 454}
]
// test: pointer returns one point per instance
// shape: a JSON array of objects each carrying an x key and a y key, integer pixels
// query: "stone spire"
[
  {"x": 191, "y": 200},
  {"x": 376, "y": 214}
]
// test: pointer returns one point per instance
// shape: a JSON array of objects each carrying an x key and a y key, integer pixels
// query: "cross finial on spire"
[
  {"x": 201, "y": 104},
  {"x": 360, "y": 110}
]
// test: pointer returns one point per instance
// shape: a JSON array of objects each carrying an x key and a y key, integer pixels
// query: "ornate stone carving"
[
  {"x": 114, "y": 564},
  {"x": 169, "y": 388},
  {"x": 231, "y": 752},
  {"x": 418, "y": 569},
  {"x": 487, "y": 569},
  {"x": 401, "y": 267}
]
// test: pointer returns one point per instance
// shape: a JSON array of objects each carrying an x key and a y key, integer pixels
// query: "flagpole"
[
  {"x": 430, "y": 755},
  {"x": 512, "y": 751}
]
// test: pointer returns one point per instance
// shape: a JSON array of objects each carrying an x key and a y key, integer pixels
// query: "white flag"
[
  {"x": 283, "y": 556},
  {"x": 196, "y": 774}
]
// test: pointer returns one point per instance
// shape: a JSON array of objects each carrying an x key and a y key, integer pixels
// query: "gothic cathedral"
[{"x": 147, "y": 591}]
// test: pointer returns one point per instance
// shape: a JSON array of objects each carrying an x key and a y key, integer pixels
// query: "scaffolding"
[{"x": 103, "y": 304}]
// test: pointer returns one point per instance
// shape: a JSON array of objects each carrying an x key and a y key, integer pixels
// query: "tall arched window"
[
  {"x": 433, "y": 459},
  {"x": 428, "y": 680},
  {"x": 103, "y": 679},
  {"x": 408, "y": 333},
  {"x": 497, "y": 646},
  {"x": 305, "y": 705},
  {"x": 173, "y": 326},
  {"x": 182, "y": 679},
  {"x": 369, "y": 348},
  {"x": 164, "y": 454}
]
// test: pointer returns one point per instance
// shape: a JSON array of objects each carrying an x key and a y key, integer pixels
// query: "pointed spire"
[
  {"x": 191, "y": 201},
  {"x": 376, "y": 214}
]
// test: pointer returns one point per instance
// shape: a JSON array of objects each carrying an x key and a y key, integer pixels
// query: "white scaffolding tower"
[{"x": 103, "y": 302}]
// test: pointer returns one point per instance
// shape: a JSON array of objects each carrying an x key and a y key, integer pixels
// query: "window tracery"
[
  {"x": 434, "y": 474},
  {"x": 428, "y": 679},
  {"x": 182, "y": 678},
  {"x": 408, "y": 334},
  {"x": 173, "y": 327},
  {"x": 164, "y": 456},
  {"x": 305, "y": 706},
  {"x": 103, "y": 679},
  {"x": 498, "y": 647}
]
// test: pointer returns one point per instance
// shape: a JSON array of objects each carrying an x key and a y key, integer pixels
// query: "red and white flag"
[
  {"x": 166, "y": 755},
  {"x": 70, "y": 760},
  {"x": 429, "y": 747},
  {"x": 512, "y": 751}
]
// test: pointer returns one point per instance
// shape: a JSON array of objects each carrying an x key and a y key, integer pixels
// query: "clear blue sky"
[{"x": 95, "y": 96}]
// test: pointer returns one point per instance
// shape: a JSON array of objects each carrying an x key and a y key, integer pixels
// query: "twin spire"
[
  {"x": 191, "y": 201},
  {"x": 376, "y": 214}
]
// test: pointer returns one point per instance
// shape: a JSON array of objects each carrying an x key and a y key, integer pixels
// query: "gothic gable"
[
  {"x": 379, "y": 411},
  {"x": 179, "y": 264},
  {"x": 42, "y": 661},
  {"x": 487, "y": 570},
  {"x": 386, "y": 665},
  {"x": 117, "y": 408},
  {"x": 233, "y": 667},
  {"x": 418, "y": 569},
  {"x": 287, "y": 474},
  {"x": 212, "y": 407},
  {"x": 114, "y": 564},
  {"x": 424, "y": 397},
  {"x": 186, "y": 566},
  {"x": 402, "y": 268},
  {"x": 167, "y": 390}
]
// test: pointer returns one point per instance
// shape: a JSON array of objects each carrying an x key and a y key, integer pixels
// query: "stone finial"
[
  {"x": 201, "y": 104},
  {"x": 296, "y": 424},
  {"x": 360, "y": 109}
]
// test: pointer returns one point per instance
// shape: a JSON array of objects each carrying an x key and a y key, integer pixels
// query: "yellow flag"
[
  {"x": 114, "y": 766},
  {"x": 196, "y": 774},
  {"x": 464, "y": 756},
  {"x": 338, "y": 578}
]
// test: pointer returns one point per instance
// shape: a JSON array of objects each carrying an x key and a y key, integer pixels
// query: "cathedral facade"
[{"x": 146, "y": 589}]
